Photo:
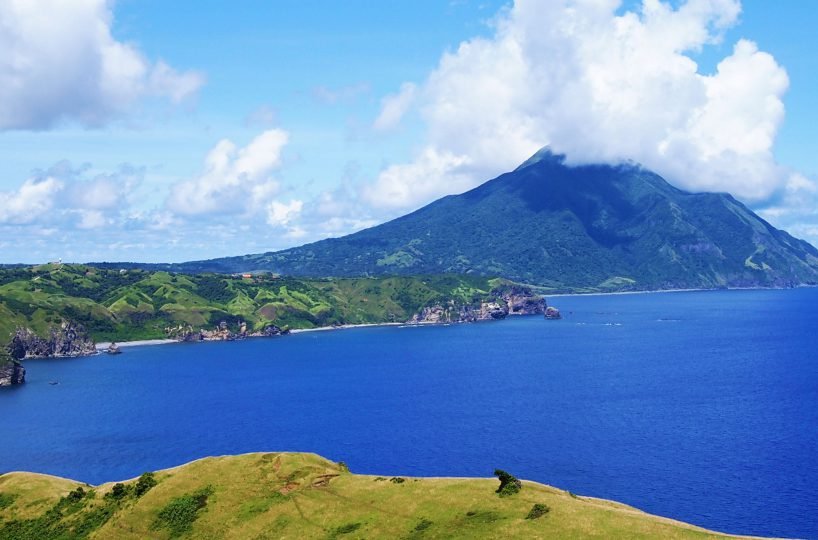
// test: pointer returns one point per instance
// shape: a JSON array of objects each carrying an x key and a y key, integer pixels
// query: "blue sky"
[{"x": 167, "y": 131}]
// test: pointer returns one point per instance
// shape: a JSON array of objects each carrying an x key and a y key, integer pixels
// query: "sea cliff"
[
  {"x": 504, "y": 301},
  {"x": 66, "y": 340},
  {"x": 12, "y": 373}
]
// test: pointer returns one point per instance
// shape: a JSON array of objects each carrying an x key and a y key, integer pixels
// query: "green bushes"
[
  {"x": 118, "y": 492},
  {"x": 537, "y": 511},
  {"x": 509, "y": 485},
  {"x": 6, "y": 500},
  {"x": 344, "y": 529},
  {"x": 144, "y": 484},
  {"x": 179, "y": 514},
  {"x": 213, "y": 288}
]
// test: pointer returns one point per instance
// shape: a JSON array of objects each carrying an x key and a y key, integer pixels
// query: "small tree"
[
  {"x": 144, "y": 484},
  {"x": 119, "y": 491},
  {"x": 509, "y": 485}
]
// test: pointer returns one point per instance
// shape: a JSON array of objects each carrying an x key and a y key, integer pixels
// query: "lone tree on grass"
[{"x": 509, "y": 485}]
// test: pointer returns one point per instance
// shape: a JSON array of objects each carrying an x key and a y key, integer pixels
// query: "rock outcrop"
[
  {"x": 270, "y": 331},
  {"x": 552, "y": 313},
  {"x": 222, "y": 332},
  {"x": 69, "y": 340},
  {"x": 521, "y": 300},
  {"x": 12, "y": 373},
  {"x": 507, "y": 300}
]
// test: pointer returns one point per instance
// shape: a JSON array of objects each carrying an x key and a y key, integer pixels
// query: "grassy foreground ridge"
[{"x": 287, "y": 495}]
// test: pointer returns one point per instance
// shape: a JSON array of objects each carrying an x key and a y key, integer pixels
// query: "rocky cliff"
[
  {"x": 69, "y": 339},
  {"x": 12, "y": 373},
  {"x": 507, "y": 300},
  {"x": 222, "y": 332}
]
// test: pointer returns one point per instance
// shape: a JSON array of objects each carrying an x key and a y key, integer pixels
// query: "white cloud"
[
  {"x": 598, "y": 84},
  {"x": 91, "y": 219},
  {"x": 280, "y": 214},
  {"x": 234, "y": 180},
  {"x": 63, "y": 195},
  {"x": 35, "y": 198},
  {"x": 796, "y": 208},
  {"x": 60, "y": 62},
  {"x": 400, "y": 186},
  {"x": 394, "y": 107},
  {"x": 104, "y": 191}
]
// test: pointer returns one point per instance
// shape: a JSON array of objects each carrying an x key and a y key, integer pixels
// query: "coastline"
[
  {"x": 618, "y": 293},
  {"x": 103, "y": 345},
  {"x": 659, "y": 291}
]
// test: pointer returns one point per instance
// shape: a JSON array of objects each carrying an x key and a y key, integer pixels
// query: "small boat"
[{"x": 113, "y": 349}]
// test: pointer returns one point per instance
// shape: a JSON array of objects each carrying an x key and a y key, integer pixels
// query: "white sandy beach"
[{"x": 104, "y": 345}]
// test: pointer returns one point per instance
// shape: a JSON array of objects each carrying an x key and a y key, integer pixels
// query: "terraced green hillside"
[
  {"x": 120, "y": 305},
  {"x": 281, "y": 495}
]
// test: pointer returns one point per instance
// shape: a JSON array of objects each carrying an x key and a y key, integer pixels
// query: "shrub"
[
  {"x": 538, "y": 510},
  {"x": 397, "y": 480},
  {"x": 76, "y": 495},
  {"x": 180, "y": 513},
  {"x": 118, "y": 492},
  {"x": 509, "y": 485},
  {"x": 144, "y": 484},
  {"x": 423, "y": 525},
  {"x": 344, "y": 529},
  {"x": 6, "y": 500}
]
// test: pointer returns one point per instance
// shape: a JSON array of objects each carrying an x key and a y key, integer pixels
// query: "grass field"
[
  {"x": 285, "y": 495},
  {"x": 125, "y": 305}
]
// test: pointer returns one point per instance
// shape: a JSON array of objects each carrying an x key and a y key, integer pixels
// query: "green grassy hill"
[
  {"x": 118, "y": 305},
  {"x": 272, "y": 496}
]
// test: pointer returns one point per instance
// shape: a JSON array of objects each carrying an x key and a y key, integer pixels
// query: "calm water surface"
[{"x": 701, "y": 406}]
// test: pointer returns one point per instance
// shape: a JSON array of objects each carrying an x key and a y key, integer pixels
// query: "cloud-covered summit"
[{"x": 597, "y": 83}]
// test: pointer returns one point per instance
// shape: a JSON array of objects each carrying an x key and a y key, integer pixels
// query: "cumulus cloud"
[
  {"x": 795, "y": 207},
  {"x": 234, "y": 180},
  {"x": 60, "y": 62},
  {"x": 401, "y": 186},
  {"x": 65, "y": 196},
  {"x": 597, "y": 83},
  {"x": 30, "y": 202},
  {"x": 280, "y": 214},
  {"x": 394, "y": 107}
]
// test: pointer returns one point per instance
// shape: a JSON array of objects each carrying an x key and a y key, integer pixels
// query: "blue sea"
[{"x": 700, "y": 406}]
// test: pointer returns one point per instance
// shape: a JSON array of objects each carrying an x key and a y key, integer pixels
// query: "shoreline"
[
  {"x": 103, "y": 345},
  {"x": 660, "y": 291}
]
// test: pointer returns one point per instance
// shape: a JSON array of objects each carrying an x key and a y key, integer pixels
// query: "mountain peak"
[
  {"x": 544, "y": 154},
  {"x": 592, "y": 227}
]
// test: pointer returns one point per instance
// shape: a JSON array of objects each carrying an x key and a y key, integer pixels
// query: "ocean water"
[{"x": 700, "y": 406}]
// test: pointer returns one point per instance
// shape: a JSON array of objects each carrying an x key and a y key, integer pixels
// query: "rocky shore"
[
  {"x": 12, "y": 373},
  {"x": 186, "y": 333},
  {"x": 68, "y": 340},
  {"x": 508, "y": 300}
]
